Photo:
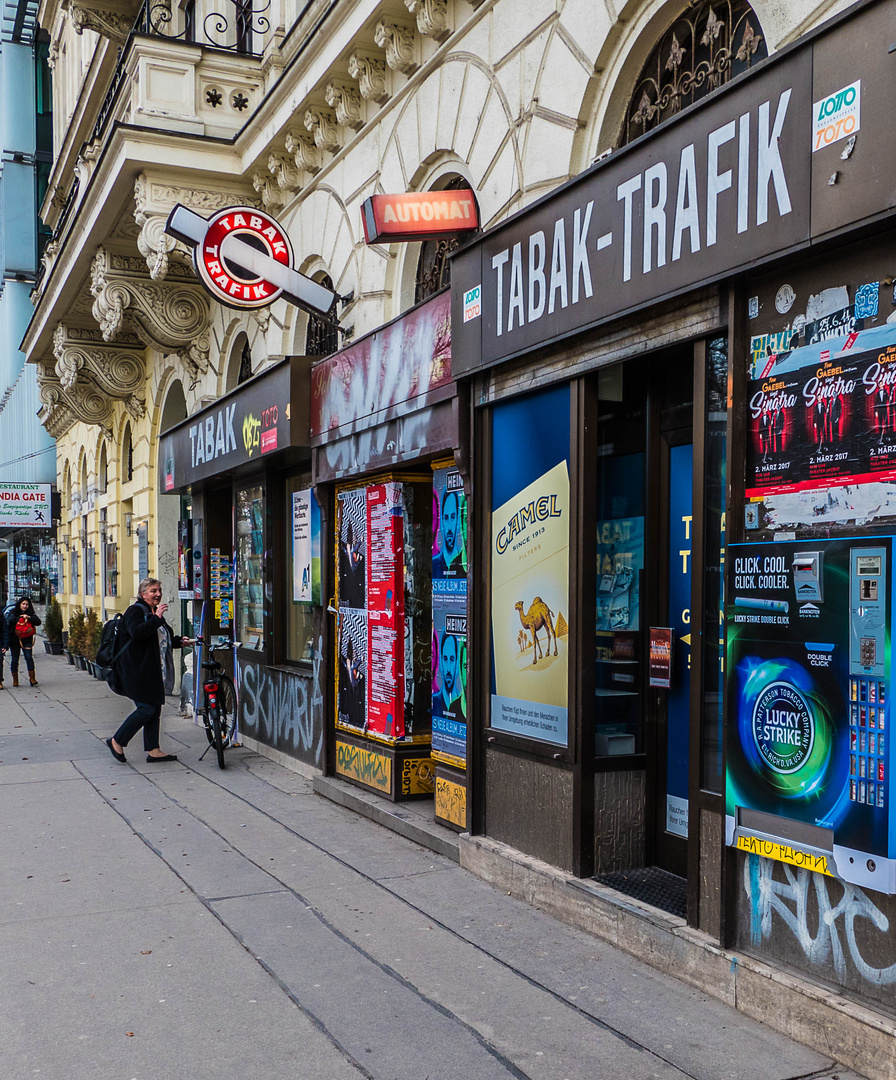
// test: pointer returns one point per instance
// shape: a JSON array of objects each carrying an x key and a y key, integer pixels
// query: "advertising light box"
[{"x": 809, "y": 678}]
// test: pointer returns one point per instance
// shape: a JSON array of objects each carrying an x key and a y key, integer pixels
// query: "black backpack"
[{"x": 112, "y": 645}]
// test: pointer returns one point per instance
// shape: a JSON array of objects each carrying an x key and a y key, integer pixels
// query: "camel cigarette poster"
[
  {"x": 449, "y": 617},
  {"x": 530, "y": 567},
  {"x": 824, "y": 415}
]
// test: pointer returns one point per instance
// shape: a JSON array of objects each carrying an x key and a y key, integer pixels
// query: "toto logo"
[
  {"x": 244, "y": 258},
  {"x": 783, "y": 727}
]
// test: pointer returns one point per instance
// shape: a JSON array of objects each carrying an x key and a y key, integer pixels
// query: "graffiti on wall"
[
  {"x": 832, "y": 932},
  {"x": 366, "y": 765},
  {"x": 283, "y": 710}
]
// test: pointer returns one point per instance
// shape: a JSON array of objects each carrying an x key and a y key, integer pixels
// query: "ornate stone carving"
[
  {"x": 154, "y": 244},
  {"x": 117, "y": 370},
  {"x": 62, "y": 408},
  {"x": 398, "y": 41},
  {"x": 86, "y": 163},
  {"x": 53, "y": 54},
  {"x": 322, "y": 125},
  {"x": 305, "y": 154},
  {"x": 370, "y": 74},
  {"x": 284, "y": 171},
  {"x": 114, "y": 25},
  {"x": 158, "y": 196},
  {"x": 172, "y": 317},
  {"x": 265, "y": 184},
  {"x": 345, "y": 100},
  {"x": 432, "y": 17}
]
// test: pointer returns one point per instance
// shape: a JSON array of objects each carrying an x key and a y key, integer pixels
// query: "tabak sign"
[
  {"x": 244, "y": 259},
  {"x": 253, "y": 421},
  {"x": 419, "y": 215}
]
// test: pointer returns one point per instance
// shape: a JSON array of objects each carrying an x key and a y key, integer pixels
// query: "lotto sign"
[
  {"x": 837, "y": 116},
  {"x": 473, "y": 303},
  {"x": 244, "y": 258}
]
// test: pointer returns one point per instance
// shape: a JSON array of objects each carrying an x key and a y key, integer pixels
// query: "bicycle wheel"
[
  {"x": 205, "y": 713},
  {"x": 218, "y": 737},
  {"x": 227, "y": 708}
]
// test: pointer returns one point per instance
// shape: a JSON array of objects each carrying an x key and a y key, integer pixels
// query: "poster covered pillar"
[
  {"x": 383, "y": 726},
  {"x": 450, "y": 654}
]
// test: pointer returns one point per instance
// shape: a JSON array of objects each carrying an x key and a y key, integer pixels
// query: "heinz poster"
[{"x": 530, "y": 566}]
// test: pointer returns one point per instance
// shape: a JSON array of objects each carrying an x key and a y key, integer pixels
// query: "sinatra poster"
[
  {"x": 809, "y": 705},
  {"x": 530, "y": 566},
  {"x": 449, "y": 617},
  {"x": 824, "y": 415}
]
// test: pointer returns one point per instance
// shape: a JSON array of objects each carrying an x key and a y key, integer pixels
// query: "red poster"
[
  {"x": 385, "y": 610},
  {"x": 661, "y": 657}
]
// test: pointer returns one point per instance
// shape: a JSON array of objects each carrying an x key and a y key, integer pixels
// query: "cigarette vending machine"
[{"x": 809, "y": 678}]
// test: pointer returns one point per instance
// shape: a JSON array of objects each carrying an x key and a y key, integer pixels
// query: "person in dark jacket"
[
  {"x": 140, "y": 667},
  {"x": 4, "y": 645},
  {"x": 23, "y": 610}
]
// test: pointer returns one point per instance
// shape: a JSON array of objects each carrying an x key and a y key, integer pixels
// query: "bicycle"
[{"x": 218, "y": 709}]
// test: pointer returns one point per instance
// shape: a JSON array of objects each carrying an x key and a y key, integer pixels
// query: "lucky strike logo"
[{"x": 783, "y": 727}]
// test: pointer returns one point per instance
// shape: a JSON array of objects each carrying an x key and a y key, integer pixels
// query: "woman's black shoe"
[{"x": 114, "y": 752}]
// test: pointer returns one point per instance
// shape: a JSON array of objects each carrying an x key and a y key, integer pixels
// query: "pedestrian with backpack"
[
  {"x": 143, "y": 669},
  {"x": 20, "y": 626}
]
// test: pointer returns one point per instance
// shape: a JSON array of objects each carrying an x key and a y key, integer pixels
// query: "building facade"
[
  {"x": 658, "y": 230},
  {"x": 28, "y": 454}
]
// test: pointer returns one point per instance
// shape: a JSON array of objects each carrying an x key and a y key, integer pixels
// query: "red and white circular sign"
[{"x": 226, "y": 279}]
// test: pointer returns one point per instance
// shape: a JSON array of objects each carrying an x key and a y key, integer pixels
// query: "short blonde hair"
[{"x": 146, "y": 583}]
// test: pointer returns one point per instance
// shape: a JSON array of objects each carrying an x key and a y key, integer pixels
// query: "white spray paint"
[{"x": 834, "y": 941}]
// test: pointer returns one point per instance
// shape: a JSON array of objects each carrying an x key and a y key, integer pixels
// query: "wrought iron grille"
[
  {"x": 705, "y": 48},
  {"x": 434, "y": 266},
  {"x": 245, "y": 372},
  {"x": 322, "y": 335},
  {"x": 237, "y": 26}
]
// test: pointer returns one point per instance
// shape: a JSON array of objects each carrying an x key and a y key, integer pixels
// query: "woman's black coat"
[
  {"x": 139, "y": 664},
  {"x": 9, "y": 631}
]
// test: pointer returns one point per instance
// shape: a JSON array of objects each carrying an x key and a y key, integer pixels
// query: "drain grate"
[{"x": 654, "y": 886}]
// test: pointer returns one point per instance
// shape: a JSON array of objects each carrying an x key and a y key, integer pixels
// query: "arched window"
[
  {"x": 322, "y": 337},
  {"x": 102, "y": 475},
  {"x": 434, "y": 266},
  {"x": 245, "y": 372},
  {"x": 703, "y": 49},
  {"x": 127, "y": 455}
]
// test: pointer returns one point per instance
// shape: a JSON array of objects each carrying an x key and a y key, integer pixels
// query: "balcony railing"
[{"x": 237, "y": 26}]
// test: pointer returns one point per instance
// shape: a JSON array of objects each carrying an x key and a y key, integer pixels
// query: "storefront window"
[
  {"x": 303, "y": 567},
  {"x": 714, "y": 525},
  {"x": 621, "y": 513},
  {"x": 249, "y": 567}
]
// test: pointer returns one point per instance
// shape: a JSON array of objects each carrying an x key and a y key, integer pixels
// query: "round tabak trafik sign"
[
  {"x": 244, "y": 259},
  {"x": 217, "y": 258}
]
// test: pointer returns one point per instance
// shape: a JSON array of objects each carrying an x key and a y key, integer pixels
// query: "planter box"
[
  {"x": 54, "y": 648},
  {"x": 71, "y": 657},
  {"x": 81, "y": 662},
  {"x": 102, "y": 672}
]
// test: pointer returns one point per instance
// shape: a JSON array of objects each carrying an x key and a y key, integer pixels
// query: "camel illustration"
[{"x": 538, "y": 616}]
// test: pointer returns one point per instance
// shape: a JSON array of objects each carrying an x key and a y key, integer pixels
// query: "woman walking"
[
  {"x": 145, "y": 670},
  {"x": 20, "y": 626}
]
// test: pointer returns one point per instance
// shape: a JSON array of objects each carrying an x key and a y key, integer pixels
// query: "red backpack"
[{"x": 24, "y": 629}]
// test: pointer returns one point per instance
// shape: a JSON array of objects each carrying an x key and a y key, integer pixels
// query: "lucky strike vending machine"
[{"x": 809, "y": 691}]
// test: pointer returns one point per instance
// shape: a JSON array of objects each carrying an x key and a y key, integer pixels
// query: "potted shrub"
[
  {"x": 92, "y": 631},
  {"x": 53, "y": 628},
  {"x": 76, "y": 637}
]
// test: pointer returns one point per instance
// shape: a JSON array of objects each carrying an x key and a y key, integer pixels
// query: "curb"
[{"x": 854, "y": 1035}]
